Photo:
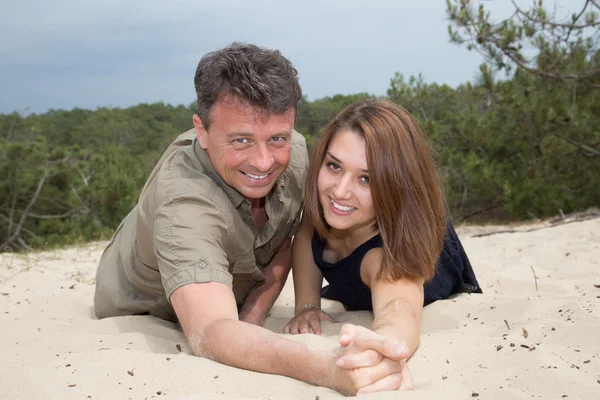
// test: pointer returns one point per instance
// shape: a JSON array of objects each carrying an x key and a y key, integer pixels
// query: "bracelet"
[{"x": 308, "y": 307}]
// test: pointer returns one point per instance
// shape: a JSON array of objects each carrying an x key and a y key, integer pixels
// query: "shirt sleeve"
[
  {"x": 298, "y": 168},
  {"x": 190, "y": 231}
]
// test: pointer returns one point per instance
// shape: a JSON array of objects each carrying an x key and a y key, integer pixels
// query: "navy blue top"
[{"x": 453, "y": 273}]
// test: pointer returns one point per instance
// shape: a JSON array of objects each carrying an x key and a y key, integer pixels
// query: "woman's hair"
[{"x": 409, "y": 207}]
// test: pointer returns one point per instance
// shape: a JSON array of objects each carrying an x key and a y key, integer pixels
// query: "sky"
[{"x": 62, "y": 54}]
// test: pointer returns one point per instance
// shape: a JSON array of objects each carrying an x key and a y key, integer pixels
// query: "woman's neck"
[{"x": 345, "y": 241}]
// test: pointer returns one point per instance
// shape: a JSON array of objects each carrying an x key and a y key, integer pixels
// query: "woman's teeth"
[{"x": 342, "y": 208}]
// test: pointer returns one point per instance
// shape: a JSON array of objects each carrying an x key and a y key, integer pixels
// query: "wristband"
[{"x": 308, "y": 307}]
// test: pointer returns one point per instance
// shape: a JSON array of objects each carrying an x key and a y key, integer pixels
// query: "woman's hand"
[
  {"x": 365, "y": 349},
  {"x": 385, "y": 376},
  {"x": 307, "y": 321}
]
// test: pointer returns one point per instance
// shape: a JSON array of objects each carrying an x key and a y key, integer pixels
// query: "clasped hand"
[
  {"x": 369, "y": 362},
  {"x": 373, "y": 363}
]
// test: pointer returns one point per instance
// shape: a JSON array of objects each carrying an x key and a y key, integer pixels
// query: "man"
[{"x": 209, "y": 242}]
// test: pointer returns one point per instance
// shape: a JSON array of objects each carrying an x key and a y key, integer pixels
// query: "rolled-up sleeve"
[{"x": 190, "y": 231}]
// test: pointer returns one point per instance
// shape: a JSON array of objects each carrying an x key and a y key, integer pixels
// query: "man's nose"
[{"x": 262, "y": 159}]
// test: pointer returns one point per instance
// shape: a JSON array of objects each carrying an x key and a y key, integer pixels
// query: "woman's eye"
[
  {"x": 365, "y": 180},
  {"x": 333, "y": 166}
]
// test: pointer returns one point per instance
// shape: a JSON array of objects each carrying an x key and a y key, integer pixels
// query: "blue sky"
[{"x": 61, "y": 54}]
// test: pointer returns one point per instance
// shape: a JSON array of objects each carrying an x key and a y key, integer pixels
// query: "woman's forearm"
[
  {"x": 399, "y": 320},
  {"x": 307, "y": 277}
]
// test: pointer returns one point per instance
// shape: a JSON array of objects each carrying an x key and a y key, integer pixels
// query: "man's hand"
[
  {"x": 365, "y": 350},
  {"x": 307, "y": 321}
]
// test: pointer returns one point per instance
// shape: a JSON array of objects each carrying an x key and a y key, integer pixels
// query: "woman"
[{"x": 375, "y": 228}]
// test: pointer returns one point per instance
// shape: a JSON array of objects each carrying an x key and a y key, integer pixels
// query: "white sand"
[{"x": 515, "y": 341}]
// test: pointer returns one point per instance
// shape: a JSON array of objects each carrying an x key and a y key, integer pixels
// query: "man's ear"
[{"x": 201, "y": 133}]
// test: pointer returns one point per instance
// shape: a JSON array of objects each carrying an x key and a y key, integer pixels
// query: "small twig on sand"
[
  {"x": 562, "y": 220},
  {"x": 535, "y": 278},
  {"x": 506, "y": 322}
]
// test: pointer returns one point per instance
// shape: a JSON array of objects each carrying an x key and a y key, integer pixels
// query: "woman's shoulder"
[{"x": 371, "y": 264}]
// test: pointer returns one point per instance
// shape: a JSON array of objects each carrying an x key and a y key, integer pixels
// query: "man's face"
[{"x": 249, "y": 151}]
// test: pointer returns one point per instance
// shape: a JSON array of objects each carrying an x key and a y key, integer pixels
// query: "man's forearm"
[
  {"x": 253, "y": 348},
  {"x": 260, "y": 300}
]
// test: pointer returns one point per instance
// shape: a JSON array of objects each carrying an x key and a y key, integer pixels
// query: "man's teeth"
[
  {"x": 341, "y": 208},
  {"x": 256, "y": 176}
]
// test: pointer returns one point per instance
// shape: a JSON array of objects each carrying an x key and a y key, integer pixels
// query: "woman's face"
[{"x": 343, "y": 184}]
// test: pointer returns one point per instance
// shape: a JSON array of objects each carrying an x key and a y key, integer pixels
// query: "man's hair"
[
  {"x": 410, "y": 211},
  {"x": 259, "y": 77}
]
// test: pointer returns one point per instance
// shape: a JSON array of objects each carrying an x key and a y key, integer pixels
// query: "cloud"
[{"x": 68, "y": 53}]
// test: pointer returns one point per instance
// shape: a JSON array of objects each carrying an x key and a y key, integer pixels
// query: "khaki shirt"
[{"x": 189, "y": 226}]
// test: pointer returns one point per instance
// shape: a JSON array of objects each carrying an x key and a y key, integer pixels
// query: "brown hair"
[
  {"x": 409, "y": 206},
  {"x": 260, "y": 77}
]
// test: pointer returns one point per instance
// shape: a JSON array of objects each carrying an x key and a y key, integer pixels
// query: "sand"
[{"x": 524, "y": 338}]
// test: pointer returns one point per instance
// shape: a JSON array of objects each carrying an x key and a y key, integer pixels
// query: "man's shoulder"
[
  {"x": 295, "y": 174},
  {"x": 182, "y": 174},
  {"x": 185, "y": 139},
  {"x": 299, "y": 152}
]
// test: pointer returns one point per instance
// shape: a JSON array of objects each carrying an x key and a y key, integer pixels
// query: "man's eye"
[
  {"x": 240, "y": 140},
  {"x": 278, "y": 138}
]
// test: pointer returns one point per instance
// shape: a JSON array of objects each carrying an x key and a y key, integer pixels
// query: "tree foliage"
[
  {"x": 544, "y": 118},
  {"x": 69, "y": 176},
  {"x": 533, "y": 39}
]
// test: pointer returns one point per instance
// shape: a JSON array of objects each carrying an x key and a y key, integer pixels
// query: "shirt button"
[{"x": 203, "y": 264}]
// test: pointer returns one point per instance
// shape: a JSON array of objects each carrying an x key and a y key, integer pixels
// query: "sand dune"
[{"x": 524, "y": 338}]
